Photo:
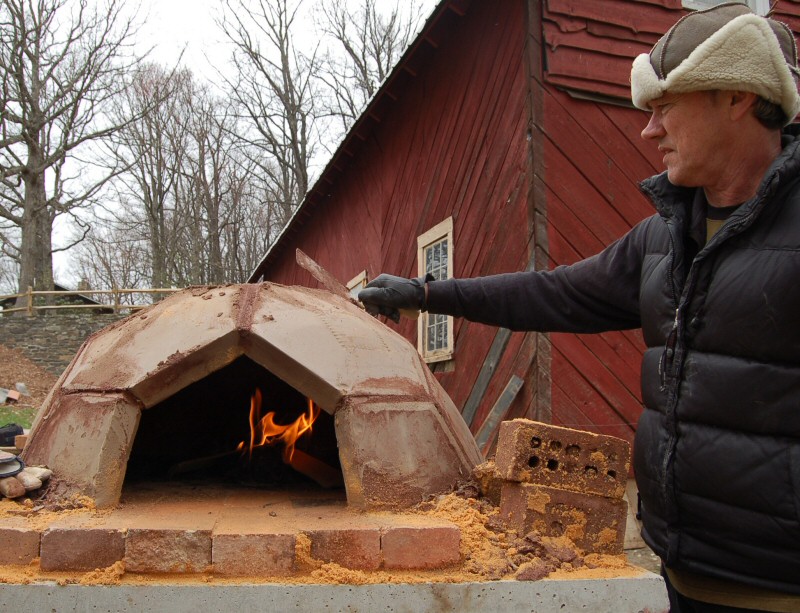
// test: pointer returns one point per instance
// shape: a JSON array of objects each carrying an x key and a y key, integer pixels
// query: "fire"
[{"x": 264, "y": 431}]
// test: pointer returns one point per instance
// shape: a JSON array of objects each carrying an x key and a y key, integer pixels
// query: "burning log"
[
  {"x": 265, "y": 432},
  {"x": 188, "y": 466},
  {"x": 325, "y": 475}
]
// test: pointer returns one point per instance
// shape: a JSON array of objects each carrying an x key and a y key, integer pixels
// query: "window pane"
[
  {"x": 436, "y": 332},
  {"x": 435, "y": 339},
  {"x": 436, "y": 259}
]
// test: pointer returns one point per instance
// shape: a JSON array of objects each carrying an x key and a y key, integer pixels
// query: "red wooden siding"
[
  {"x": 476, "y": 123},
  {"x": 594, "y": 161},
  {"x": 591, "y": 43},
  {"x": 454, "y": 144}
]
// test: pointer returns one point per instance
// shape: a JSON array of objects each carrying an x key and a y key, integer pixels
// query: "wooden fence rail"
[{"x": 30, "y": 299}]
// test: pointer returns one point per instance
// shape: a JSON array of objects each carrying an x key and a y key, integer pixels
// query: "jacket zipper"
[
  {"x": 669, "y": 347},
  {"x": 669, "y": 352}
]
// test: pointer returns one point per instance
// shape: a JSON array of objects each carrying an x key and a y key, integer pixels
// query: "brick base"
[
  {"x": 168, "y": 551},
  {"x": 18, "y": 544},
  {"x": 231, "y": 533},
  {"x": 253, "y": 554},
  {"x": 421, "y": 548},
  {"x": 81, "y": 548}
]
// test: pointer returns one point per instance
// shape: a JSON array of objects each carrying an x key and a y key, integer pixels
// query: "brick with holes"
[
  {"x": 595, "y": 524},
  {"x": 534, "y": 452}
]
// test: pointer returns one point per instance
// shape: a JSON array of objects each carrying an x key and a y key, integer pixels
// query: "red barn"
[{"x": 503, "y": 140}]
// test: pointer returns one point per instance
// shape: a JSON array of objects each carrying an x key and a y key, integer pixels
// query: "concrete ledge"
[{"x": 619, "y": 595}]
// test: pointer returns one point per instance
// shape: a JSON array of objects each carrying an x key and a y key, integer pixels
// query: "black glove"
[{"x": 387, "y": 295}]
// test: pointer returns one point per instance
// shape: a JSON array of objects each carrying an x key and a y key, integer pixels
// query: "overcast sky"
[
  {"x": 175, "y": 26},
  {"x": 188, "y": 26}
]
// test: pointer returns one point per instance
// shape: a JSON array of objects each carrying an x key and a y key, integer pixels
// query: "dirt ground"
[{"x": 16, "y": 368}]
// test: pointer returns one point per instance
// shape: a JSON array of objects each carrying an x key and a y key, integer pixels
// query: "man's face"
[{"x": 690, "y": 130}]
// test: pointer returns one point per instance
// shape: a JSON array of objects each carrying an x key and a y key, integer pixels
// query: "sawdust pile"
[
  {"x": 58, "y": 498},
  {"x": 20, "y": 574},
  {"x": 484, "y": 542},
  {"x": 491, "y": 551},
  {"x": 105, "y": 576}
]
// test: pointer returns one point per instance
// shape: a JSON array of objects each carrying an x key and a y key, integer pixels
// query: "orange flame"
[{"x": 264, "y": 430}]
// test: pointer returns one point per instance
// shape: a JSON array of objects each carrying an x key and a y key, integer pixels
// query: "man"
[{"x": 713, "y": 280}]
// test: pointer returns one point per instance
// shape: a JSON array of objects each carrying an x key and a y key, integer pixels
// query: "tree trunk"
[{"x": 36, "y": 263}]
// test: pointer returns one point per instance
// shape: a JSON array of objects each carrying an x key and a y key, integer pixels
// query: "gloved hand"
[{"x": 388, "y": 295}]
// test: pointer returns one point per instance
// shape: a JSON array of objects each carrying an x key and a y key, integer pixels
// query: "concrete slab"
[{"x": 618, "y": 595}]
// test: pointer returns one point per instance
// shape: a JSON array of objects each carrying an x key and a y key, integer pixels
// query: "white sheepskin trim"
[
  {"x": 742, "y": 55},
  {"x": 645, "y": 84}
]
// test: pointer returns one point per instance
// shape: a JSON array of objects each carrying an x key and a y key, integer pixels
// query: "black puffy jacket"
[{"x": 717, "y": 449}]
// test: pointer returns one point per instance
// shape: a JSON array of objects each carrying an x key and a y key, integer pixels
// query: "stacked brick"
[
  {"x": 84, "y": 544},
  {"x": 562, "y": 482}
]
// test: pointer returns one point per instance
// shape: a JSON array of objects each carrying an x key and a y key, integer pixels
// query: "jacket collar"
[{"x": 675, "y": 202}]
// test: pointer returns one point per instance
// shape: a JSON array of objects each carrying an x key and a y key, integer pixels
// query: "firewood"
[{"x": 324, "y": 474}]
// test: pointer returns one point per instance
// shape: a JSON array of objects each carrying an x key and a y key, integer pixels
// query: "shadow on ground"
[{"x": 644, "y": 558}]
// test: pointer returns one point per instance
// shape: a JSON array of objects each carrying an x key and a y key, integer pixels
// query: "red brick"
[
  {"x": 421, "y": 547},
  {"x": 596, "y": 524},
  {"x": 81, "y": 548},
  {"x": 253, "y": 554},
  {"x": 357, "y": 549},
  {"x": 167, "y": 551},
  {"x": 18, "y": 544},
  {"x": 533, "y": 452}
]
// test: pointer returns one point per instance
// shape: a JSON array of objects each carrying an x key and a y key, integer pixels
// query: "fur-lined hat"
[{"x": 726, "y": 47}]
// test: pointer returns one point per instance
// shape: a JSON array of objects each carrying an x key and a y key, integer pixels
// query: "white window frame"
[
  {"x": 357, "y": 283},
  {"x": 439, "y": 232},
  {"x": 760, "y": 7}
]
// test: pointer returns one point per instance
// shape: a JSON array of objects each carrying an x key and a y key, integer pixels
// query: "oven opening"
[{"x": 240, "y": 425}]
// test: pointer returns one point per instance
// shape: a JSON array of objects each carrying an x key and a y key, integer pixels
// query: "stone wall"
[{"x": 52, "y": 340}]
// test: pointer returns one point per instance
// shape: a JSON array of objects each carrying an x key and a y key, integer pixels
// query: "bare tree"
[
  {"x": 210, "y": 180},
  {"x": 60, "y": 64},
  {"x": 188, "y": 192},
  {"x": 211, "y": 166},
  {"x": 273, "y": 87},
  {"x": 151, "y": 146},
  {"x": 111, "y": 257},
  {"x": 367, "y": 43},
  {"x": 9, "y": 273}
]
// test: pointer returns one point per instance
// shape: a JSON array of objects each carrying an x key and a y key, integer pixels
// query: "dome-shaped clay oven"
[{"x": 399, "y": 435}]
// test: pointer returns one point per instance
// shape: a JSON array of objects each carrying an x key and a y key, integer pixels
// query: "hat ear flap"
[{"x": 645, "y": 84}]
